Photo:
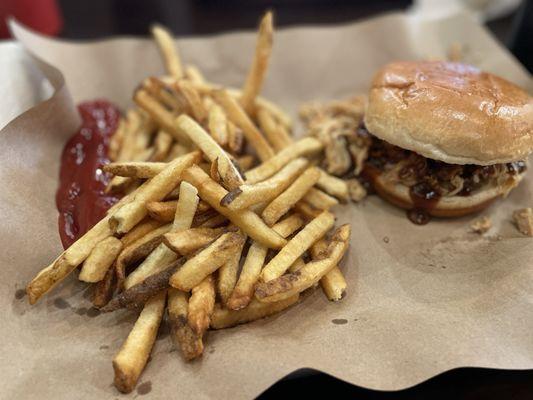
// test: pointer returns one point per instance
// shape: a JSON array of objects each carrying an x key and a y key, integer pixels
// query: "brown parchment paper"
[{"x": 421, "y": 300}]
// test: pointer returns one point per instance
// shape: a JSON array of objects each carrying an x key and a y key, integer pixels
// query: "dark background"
[{"x": 103, "y": 18}]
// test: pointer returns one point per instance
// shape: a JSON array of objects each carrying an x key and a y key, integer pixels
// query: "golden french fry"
[
  {"x": 201, "y": 305},
  {"x": 189, "y": 342},
  {"x": 294, "y": 193},
  {"x": 193, "y": 99},
  {"x": 193, "y": 74},
  {"x": 188, "y": 241},
  {"x": 103, "y": 290},
  {"x": 155, "y": 189},
  {"x": 206, "y": 261},
  {"x": 307, "y": 210},
  {"x": 224, "y": 318},
  {"x": 211, "y": 220},
  {"x": 286, "y": 286},
  {"x": 115, "y": 143},
  {"x": 162, "y": 144},
  {"x": 135, "y": 169},
  {"x": 162, "y": 210},
  {"x": 303, "y": 147},
  {"x": 162, "y": 255},
  {"x": 235, "y": 139},
  {"x": 244, "y": 163},
  {"x": 239, "y": 117},
  {"x": 275, "y": 132},
  {"x": 218, "y": 125},
  {"x": 313, "y": 231},
  {"x": 227, "y": 171},
  {"x": 100, "y": 260},
  {"x": 259, "y": 66},
  {"x": 249, "y": 194},
  {"x": 295, "y": 266},
  {"x": 68, "y": 260},
  {"x": 227, "y": 274},
  {"x": 248, "y": 221},
  {"x": 133, "y": 355},
  {"x": 167, "y": 47},
  {"x": 333, "y": 283},
  {"x": 139, "y": 232},
  {"x": 165, "y": 94},
  {"x": 334, "y": 186},
  {"x": 244, "y": 289},
  {"x": 319, "y": 200},
  {"x": 177, "y": 150}
]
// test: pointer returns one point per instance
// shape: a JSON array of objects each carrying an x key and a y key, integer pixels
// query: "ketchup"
[{"x": 80, "y": 198}]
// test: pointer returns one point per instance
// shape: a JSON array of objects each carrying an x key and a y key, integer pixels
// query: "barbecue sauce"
[
  {"x": 424, "y": 198},
  {"x": 80, "y": 198}
]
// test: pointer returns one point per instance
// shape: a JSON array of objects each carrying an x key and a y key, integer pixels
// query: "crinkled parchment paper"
[{"x": 421, "y": 299}]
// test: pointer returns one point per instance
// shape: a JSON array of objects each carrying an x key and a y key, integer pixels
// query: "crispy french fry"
[
  {"x": 212, "y": 221},
  {"x": 193, "y": 74},
  {"x": 139, "y": 232},
  {"x": 100, "y": 260},
  {"x": 295, "y": 266},
  {"x": 245, "y": 162},
  {"x": 319, "y": 200},
  {"x": 162, "y": 255},
  {"x": 239, "y": 117},
  {"x": 162, "y": 144},
  {"x": 162, "y": 210},
  {"x": 275, "y": 132},
  {"x": 333, "y": 283},
  {"x": 193, "y": 100},
  {"x": 227, "y": 274},
  {"x": 153, "y": 190},
  {"x": 188, "y": 241},
  {"x": 307, "y": 210},
  {"x": 226, "y": 169},
  {"x": 313, "y": 231},
  {"x": 133, "y": 355},
  {"x": 235, "y": 139},
  {"x": 103, "y": 290},
  {"x": 247, "y": 195},
  {"x": 68, "y": 260},
  {"x": 165, "y": 94},
  {"x": 201, "y": 305},
  {"x": 218, "y": 125},
  {"x": 177, "y": 150},
  {"x": 333, "y": 186},
  {"x": 286, "y": 200},
  {"x": 244, "y": 289},
  {"x": 135, "y": 169},
  {"x": 248, "y": 221},
  {"x": 305, "y": 146},
  {"x": 189, "y": 342},
  {"x": 259, "y": 66},
  {"x": 206, "y": 261},
  {"x": 224, "y": 318},
  {"x": 167, "y": 47},
  {"x": 115, "y": 143},
  {"x": 286, "y": 286},
  {"x": 136, "y": 296}
]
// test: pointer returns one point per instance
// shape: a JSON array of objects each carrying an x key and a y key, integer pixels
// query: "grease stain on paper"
[
  {"x": 339, "y": 321},
  {"x": 144, "y": 388}
]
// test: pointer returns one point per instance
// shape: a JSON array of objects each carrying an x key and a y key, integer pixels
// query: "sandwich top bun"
[{"x": 450, "y": 112}]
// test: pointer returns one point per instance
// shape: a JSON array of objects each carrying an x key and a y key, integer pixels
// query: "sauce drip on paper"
[{"x": 80, "y": 198}]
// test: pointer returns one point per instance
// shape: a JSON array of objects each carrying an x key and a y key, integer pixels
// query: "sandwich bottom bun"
[{"x": 453, "y": 206}]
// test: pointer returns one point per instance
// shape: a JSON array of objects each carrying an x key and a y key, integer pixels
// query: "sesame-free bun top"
[{"x": 450, "y": 112}]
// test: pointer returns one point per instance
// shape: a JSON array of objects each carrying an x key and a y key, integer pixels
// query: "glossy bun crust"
[{"x": 450, "y": 112}]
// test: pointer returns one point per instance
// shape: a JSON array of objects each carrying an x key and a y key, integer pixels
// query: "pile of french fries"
[{"x": 224, "y": 219}]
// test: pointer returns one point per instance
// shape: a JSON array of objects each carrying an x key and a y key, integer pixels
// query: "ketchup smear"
[{"x": 80, "y": 198}]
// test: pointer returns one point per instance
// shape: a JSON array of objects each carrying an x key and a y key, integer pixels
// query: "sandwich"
[{"x": 444, "y": 139}]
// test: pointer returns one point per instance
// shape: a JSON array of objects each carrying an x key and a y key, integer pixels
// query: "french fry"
[
  {"x": 177, "y": 150},
  {"x": 307, "y": 210},
  {"x": 162, "y": 143},
  {"x": 245, "y": 162},
  {"x": 130, "y": 361},
  {"x": 227, "y": 274},
  {"x": 201, "y": 305},
  {"x": 224, "y": 318},
  {"x": 218, "y": 125},
  {"x": 136, "y": 296},
  {"x": 320, "y": 200},
  {"x": 103, "y": 290},
  {"x": 167, "y": 47},
  {"x": 162, "y": 255},
  {"x": 68, "y": 260},
  {"x": 275, "y": 132},
  {"x": 100, "y": 260},
  {"x": 244, "y": 289},
  {"x": 257, "y": 72},
  {"x": 313, "y": 231},
  {"x": 303, "y": 147},
  {"x": 164, "y": 210},
  {"x": 227, "y": 171},
  {"x": 193, "y": 74},
  {"x": 188, "y": 241},
  {"x": 249, "y": 194},
  {"x": 333, "y": 283},
  {"x": 153, "y": 190},
  {"x": 193, "y": 100},
  {"x": 115, "y": 143},
  {"x": 286, "y": 286},
  {"x": 213, "y": 221},
  {"x": 206, "y": 261},
  {"x": 248, "y": 221},
  {"x": 163, "y": 117},
  {"x": 166, "y": 95},
  {"x": 235, "y": 139},
  {"x": 239, "y": 117},
  {"x": 286, "y": 200},
  {"x": 333, "y": 186},
  {"x": 189, "y": 342},
  {"x": 295, "y": 266},
  {"x": 135, "y": 169}
]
